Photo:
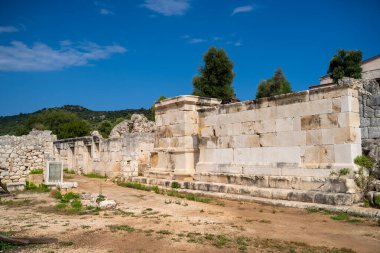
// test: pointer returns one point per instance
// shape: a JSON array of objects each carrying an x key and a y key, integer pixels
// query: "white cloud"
[
  {"x": 104, "y": 11},
  {"x": 241, "y": 9},
  {"x": 168, "y": 7},
  {"x": 8, "y": 29},
  {"x": 196, "y": 40},
  {"x": 40, "y": 57}
]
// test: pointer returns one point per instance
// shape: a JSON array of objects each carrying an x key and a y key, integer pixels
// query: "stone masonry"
[
  {"x": 369, "y": 103},
  {"x": 20, "y": 154}
]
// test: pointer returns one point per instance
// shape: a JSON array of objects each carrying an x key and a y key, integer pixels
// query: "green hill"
[{"x": 50, "y": 118}]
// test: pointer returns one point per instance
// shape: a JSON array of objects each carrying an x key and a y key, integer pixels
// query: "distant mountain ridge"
[{"x": 11, "y": 124}]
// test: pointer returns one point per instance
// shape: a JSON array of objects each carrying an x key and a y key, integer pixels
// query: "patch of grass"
[
  {"x": 76, "y": 204},
  {"x": 94, "y": 175},
  {"x": 60, "y": 206},
  {"x": 265, "y": 221},
  {"x": 36, "y": 171},
  {"x": 345, "y": 217},
  {"x": 220, "y": 241},
  {"x": 175, "y": 185},
  {"x": 66, "y": 244},
  {"x": 29, "y": 186},
  {"x": 377, "y": 201},
  {"x": 56, "y": 194},
  {"x": 164, "y": 232},
  {"x": 188, "y": 196},
  {"x": 18, "y": 203},
  {"x": 68, "y": 171},
  {"x": 69, "y": 196},
  {"x": 242, "y": 242},
  {"x": 135, "y": 185},
  {"x": 4, "y": 246},
  {"x": 127, "y": 228},
  {"x": 312, "y": 210},
  {"x": 67, "y": 177}
]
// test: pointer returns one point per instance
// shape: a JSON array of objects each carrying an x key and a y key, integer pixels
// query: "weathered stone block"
[
  {"x": 374, "y": 132},
  {"x": 285, "y": 124},
  {"x": 310, "y": 122},
  {"x": 294, "y": 138},
  {"x": 313, "y": 137},
  {"x": 268, "y": 140}
]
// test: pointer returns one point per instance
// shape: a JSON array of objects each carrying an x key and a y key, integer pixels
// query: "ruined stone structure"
[
  {"x": 126, "y": 153},
  {"x": 283, "y": 147},
  {"x": 20, "y": 154}
]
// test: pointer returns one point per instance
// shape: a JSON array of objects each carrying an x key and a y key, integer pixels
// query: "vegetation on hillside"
[
  {"x": 216, "y": 76},
  {"x": 274, "y": 86},
  {"x": 67, "y": 121},
  {"x": 345, "y": 63}
]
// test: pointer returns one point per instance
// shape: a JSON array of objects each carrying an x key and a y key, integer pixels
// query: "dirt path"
[{"x": 149, "y": 222}]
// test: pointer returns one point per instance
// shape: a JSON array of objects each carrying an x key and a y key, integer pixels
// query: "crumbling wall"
[
  {"x": 20, "y": 154},
  {"x": 125, "y": 153},
  {"x": 369, "y": 102}
]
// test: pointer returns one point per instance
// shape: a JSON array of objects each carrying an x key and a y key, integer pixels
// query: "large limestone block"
[
  {"x": 347, "y": 135},
  {"x": 328, "y": 136},
  {"x": 329, "y": 120},
  {"x": 310, "y": 122},
  {"x": 314, "y": 137},
  {"x": 349, "y": 119},
  {"x": 285, "y": 124},
  {"x": 295, "y": 138},
  {"x": 265, "y": 126},
  {"x": 349, "y": 104},
  {"x": 246, "y": 141},
  {"x": 345, "y": 154},
  {"x": 315, "y": 156},
  {"x": 268, "y": 140},
  {"x": 218, "y": 156}
]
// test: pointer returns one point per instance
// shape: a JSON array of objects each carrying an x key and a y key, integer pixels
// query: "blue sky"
[{"x": 109, "y": 55}]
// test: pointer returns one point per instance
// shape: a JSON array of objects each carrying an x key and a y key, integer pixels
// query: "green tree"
[
  {"x": 75, "y": 128},
  {"x": 216, "y": 76},
  {"x": 152, "y": 114},
  {"x": 274, "y": 86},
  {"x": 345, "y": 63},
  {"x": 105, "y": 128}
]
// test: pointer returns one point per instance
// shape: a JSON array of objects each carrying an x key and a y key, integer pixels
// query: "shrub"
[
  {"x": 377, "y": 201},
  {"x": 364, "y": 177},
  {"x": 76, "y": 204},
  {"x": 340, "y": 172},
  {"x": 175, "y": 185},
  {"x": 29, "y": 186},
  {"x": 36, "y": 171}
]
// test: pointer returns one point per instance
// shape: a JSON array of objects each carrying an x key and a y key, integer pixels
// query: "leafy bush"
[
  {"x": 377, "y": 201},
  {"x": 276, "y": 85},
  {"x": 69, "y": 196},
  {"x": 175, "y": 185},
  {"x": 364, "y": 177},
  {"x": 76, "y": 204},
  {"x": 345, "y": 63},
  {"x": 36, "y": 171}
]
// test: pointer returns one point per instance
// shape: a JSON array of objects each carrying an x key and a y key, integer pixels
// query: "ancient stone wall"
[
  {"x": 369, "y": 103},
  {"x": 300, "y": 134},
  {"x": 20, "y": 154},
  {"x": 125, "y": 153}
]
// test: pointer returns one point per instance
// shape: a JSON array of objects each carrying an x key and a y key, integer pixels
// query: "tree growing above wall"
[
  {"x": 216, "y": 76},
  {"x": 345, "y": 63},
  {"x": 274, "y": 86}
]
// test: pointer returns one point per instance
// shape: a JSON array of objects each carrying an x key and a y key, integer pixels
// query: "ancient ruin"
[{"x": 283, "y": 147}]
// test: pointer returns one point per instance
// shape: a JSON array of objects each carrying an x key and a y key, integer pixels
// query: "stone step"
[
  {"x": 311, "y": 196},
  {"x": 337, "y": 185}
]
